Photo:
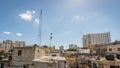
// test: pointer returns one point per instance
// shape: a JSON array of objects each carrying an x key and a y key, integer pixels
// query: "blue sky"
[{"x": 68, "y": 20}]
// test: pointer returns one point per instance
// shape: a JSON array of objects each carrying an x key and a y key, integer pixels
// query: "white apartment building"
[{"x": 96, "y": 38}]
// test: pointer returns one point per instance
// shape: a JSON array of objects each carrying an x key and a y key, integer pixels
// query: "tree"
[
  {"x": 71, "y": 49},
  {"x": 2, "y": 53}
]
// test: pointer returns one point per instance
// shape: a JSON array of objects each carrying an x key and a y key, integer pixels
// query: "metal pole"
[
  {"x": 51, "y": 38},
  {"x": 40, "y": 28}
]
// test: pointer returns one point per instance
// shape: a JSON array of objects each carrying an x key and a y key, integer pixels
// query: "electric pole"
[
  {"x": 40, "y": 29},
  {"x": 51, "y": 38}
]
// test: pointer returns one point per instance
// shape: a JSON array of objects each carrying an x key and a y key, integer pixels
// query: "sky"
[{"x": 68, "y": 20}]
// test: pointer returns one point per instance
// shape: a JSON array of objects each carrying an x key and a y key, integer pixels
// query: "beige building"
[
  {"x": 103, "y": 63},
  {"x": 22, "y": 56},
  {"x": 50, "y": 62},
  {"x": 34, "y": 57},
  {"x": 113, "y": 49},
  {"x": 50, "y": 50},
  {"x": 19, "y": 43}
]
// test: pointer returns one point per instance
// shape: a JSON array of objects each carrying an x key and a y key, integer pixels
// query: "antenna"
[
  {"x": 51, "y": 38},
  {"x": 40, "y": 29}
]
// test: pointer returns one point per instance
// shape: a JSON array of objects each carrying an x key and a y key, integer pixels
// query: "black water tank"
[
  {"x": 109, "y": 57},
  {"x": 118, "y": 56}
]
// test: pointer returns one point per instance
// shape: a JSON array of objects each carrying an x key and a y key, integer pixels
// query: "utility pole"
[
  {"x": 51, "y": 36},
  {"x": 50, "y": 41},
  {"x": 40, "y": 29}
]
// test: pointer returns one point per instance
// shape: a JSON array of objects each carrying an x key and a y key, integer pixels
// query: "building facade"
[
  {"x": 72, "y": 46},
  {"x": 19, "y": 43},
  {"x": 22, "y": 56},
  {"x": 34, "y": 57},
  {"x": 50, "y": 62},
  {"x": 115, "y": 49},
  {"x": 97, "y": 38},
  {"x": 61, "y": 48},
  {"x": 8, "y": 45}
]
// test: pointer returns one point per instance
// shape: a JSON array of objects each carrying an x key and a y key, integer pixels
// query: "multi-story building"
[
  {"x": 9, "y": 44},
  {"x": 19, "y": 43},
  {"x": 97, "y": 38},
  {"x": 61, "y": 48},
  {"x": 72, "y": 46}
]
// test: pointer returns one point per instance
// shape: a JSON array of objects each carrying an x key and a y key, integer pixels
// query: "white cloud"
[
  {"x": 28, "y": 15},
  {"x": 19, "y": 34},
  {"x": 6, "y": 32},
  {"x": 33, "y": 12},
  {"x": 37, "y": 21},
  {"x": 78, "y": 18}
]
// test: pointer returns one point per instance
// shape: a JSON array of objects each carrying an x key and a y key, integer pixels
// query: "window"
[
  {"x": 19, "y": 52},
  {"x": 118, "y": 49},
  {"x": 110, "y": 49}
]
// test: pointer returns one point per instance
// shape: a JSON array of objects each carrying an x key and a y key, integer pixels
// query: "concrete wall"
[
  {"x": 114, "y": 49},
  {"x": 57, "y": 64},
  {"x": 39, "y": 52},
  {"x": 28, "y": 54},
  {"x": 61, "y": 64},
  {"x": 44, "y": 65}
]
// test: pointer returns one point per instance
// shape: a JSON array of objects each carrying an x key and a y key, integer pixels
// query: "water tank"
[
  {"x": 109, "y": 57},
  {"x": 118, "y": 56}
]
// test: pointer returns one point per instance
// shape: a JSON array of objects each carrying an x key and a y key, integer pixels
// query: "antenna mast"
[
  {"x": 40, "y": 29},
  {"x": 51, "y": 38}
]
